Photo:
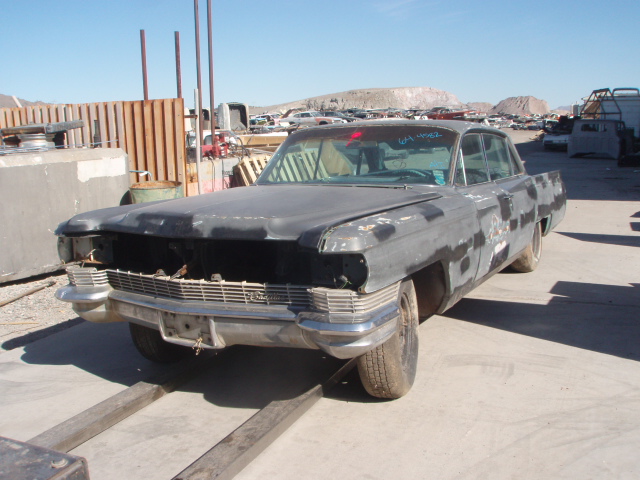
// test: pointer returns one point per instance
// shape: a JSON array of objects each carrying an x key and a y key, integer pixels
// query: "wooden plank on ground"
[
  {"x": 80, "y": 428},
  {"x": 234, "y": 452}
]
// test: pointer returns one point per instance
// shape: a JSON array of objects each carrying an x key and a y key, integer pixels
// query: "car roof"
[{"x": 457, "y": 125}]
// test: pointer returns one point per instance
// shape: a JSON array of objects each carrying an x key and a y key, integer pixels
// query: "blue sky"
[{"x": 274, "y": 51}]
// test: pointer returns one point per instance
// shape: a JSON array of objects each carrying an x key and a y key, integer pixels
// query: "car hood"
[{"x": 277, "y": 212}]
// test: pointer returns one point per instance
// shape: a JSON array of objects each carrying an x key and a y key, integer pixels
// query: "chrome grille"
[
  {"x": 329, "y": 300},
  {"x": 210, "y": 291},
  {"x": 86, "y": 277},
  {"x": 350, "y": 302}
]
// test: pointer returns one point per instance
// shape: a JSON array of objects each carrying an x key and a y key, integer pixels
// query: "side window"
[
  {"x": 472, "y": 162},
  {"x": 498, "y": 158},
  {"x": 517, "y": 167}
]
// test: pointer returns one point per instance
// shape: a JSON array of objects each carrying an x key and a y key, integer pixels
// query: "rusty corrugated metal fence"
[{"x": 152, "y": 132}]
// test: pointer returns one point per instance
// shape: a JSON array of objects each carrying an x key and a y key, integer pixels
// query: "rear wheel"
[
  {"x": 151, "y": 346},
  {"x": 388, "y": 371},
  {"x": 528, "y": 261}
]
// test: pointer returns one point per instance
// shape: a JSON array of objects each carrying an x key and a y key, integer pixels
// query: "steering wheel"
[{"x": 415, "y": 173}]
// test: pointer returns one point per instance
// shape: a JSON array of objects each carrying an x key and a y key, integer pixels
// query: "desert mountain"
[
  {"x": 521, "y": 106},
  {"x": 422, "y": 98},
  {"x": 480, "y": 106},
  {"x": 404, "y": 97},
  {"x": 6, "y": 101}
]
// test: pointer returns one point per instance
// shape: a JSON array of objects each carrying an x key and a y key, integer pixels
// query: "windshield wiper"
[{"x": 365, "y": 185}]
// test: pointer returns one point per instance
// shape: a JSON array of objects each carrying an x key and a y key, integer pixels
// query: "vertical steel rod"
[
  {"x": 199, "y": 107},
  {"x": 197, "y": 96},
  {"x": 145, "y": 82},
  {"x": 178, "y": 70},
  {"x": 211, "y": 102}
]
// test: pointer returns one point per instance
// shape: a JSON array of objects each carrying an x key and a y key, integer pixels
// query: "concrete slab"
[
  {"x": 49, "y": 381},
  {"x": 164, "y": 438}
]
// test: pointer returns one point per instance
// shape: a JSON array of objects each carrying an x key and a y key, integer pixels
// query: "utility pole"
[{"x": 145, "y": 81}]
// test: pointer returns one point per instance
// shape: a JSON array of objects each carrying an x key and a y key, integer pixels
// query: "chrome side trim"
[
  {"x": 316, "y": 322},
  {"x": 73, "y": 294}
]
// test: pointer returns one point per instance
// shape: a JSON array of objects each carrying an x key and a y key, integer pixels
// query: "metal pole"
[
  {"x": 145, "y": 83},
  {"x": 211, "y": 102},
  {"x": 178, "y": 71},
  {"x": 199, "y": 107},
  {"x": 198, "y": 140}
]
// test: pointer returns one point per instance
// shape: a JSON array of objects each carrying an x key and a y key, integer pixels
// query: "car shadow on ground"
[
  {"x": 104, "y": 350},
  {"x": 238, "y": 376},
  {"x": 622, "y": 240},
  {"x": 600, "y": 318},
  {"x": 30, "y": 337}
]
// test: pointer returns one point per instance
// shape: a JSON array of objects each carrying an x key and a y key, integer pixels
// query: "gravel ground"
[{"x": 33, "y": 316}]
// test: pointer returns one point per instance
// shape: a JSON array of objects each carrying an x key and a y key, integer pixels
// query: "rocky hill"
[
  {"x": 403, "y": 97},
  {"x": 521, "y": 106},
  {"x": 422, "y": 98},
  {"x": 6, "y": 101},
  {"x": 482, "y": 107}
]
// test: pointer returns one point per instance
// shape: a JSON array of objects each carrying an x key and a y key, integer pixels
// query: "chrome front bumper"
[{"x": 216, "y": 325}]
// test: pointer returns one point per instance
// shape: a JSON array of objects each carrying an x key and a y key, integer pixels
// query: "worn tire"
[
  {"x": 151, "y": 346},
  {"x": 529, "y": 259},
  {"x": 388, "y": 371}
]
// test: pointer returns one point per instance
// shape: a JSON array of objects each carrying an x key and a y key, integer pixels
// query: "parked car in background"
[
  {"x": 333, "y": 113},
  {"x": 309, "y": 118},
  {"x": 269, "y": 119},
  {"x": 557, "y": 132},
  {"x": 602, "y": 138},
  {"x": 556, "y": 141},
  {"x": 352, "y": 234}
]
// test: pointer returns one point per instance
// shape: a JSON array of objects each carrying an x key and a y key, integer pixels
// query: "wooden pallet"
[
  {"x": 294, "y": 167},
  {"x": 249, "y": 169}
]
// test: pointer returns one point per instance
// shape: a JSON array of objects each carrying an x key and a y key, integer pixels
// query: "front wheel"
[
  {"x": 388, "y": 371},
  {"x": 528, "y": 261},
  {"x": 151, "y": 346}
]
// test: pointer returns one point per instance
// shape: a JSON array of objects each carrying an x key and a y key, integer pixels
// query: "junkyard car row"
[{"x": 353, "y": 233}]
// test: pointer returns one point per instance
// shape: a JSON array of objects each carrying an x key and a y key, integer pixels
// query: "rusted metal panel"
[{"x": 23, "y": 461}]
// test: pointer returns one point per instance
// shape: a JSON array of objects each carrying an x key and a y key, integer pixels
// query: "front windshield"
[{"x": 364, "y": 154}]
